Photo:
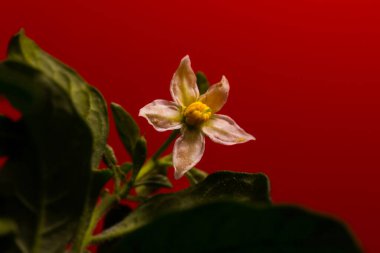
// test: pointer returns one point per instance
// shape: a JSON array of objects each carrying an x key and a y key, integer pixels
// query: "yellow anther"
[{"x": 196, "y": 113}]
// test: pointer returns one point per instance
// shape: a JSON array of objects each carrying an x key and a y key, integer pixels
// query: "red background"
[{"x": 304, "y": 79}]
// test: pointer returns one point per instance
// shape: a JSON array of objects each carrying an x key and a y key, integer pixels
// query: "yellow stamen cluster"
[{"x": 196, "y": 113}]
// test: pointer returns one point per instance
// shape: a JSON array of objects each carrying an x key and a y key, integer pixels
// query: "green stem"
[
  {"x": 166, "y": 161},
  {"x": 106, "y": 203},
  {"x": 109, "y": 200},
  {"x": 152, "y": 162},
  {"x": 117, "y": 178}
]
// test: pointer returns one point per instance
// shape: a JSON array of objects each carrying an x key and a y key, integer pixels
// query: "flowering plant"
[
  {"x": 53, "y": 193},
  {"x": 195, "y": 115}
]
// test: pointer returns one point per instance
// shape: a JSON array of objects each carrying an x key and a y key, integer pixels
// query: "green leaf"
[
  {"x": 253, "y": 188},
  {"x": 202, "y": 82},
  {"x": 139, "y": 155},
  {"x": 43, "y": 186},
  {"x": 155, "y": 178},
  {"x": 86, "y": 99},
  {"x": 152, "y": 182},
  {"x": 236, "y": 227},
  {"x": 8, "y": 230},
  {"x": 99, "y": 179},
  {"x": 126, "y": 167},
  {"x": 127, "y": 128},
  {"x": 109, "y": 157},
  {"x": 7, "y": 227}
]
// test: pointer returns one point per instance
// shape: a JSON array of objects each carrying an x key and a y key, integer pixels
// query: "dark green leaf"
[
  {"x": 86, "y": 99},
  {"x": 202, "y": 82},
  {"x": 11, "y": 135},
  {"x": 126, "y": 168},
  {"x": 8, "y": 230},
  {"x": 150, "y": 183},
  {"x": 253, "y": 188},
  {"x": 99, "y": 179},
  {"x": 235, "y": 227},
  {"x": 155, "y": 178},
  {"x": 127, "y": 128},
  {"x": 139, "y": 155},
  {"x": 43, "y": 186},
  {"x": 109, "y": 157},
  {"x": 7, "y": 227}
]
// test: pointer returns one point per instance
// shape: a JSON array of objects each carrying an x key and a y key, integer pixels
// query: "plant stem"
[
  {"x": 152, "y": 162},
  {"x": 109, "y": 200},
  {"x": 106, "y": 203}
]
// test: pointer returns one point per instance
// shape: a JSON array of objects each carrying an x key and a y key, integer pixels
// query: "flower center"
[{"x": 196, "y": 113}]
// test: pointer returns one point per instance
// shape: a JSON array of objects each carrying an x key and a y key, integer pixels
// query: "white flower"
[{"x": 195, "y": 115}]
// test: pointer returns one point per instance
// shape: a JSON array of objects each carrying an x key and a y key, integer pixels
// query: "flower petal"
[
  {"x": 216, "y": 96},
  {"x": 162, "y": 115},
  {"x": 188, "y": 151},
  {"x": 183, "y": 88},
  {"x": 224, "y": 130}
]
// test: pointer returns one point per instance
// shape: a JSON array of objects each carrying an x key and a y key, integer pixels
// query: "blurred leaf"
[
  {"x": 8, "y": 230},
  {"x": 202, "y": 82},
  {"x": 126, "y": 167},
  {"x": 7, "y": 227},
  {"x": 237, "y": 227},
  {"x": 156, "y": 179},
  {"x": 11, "y": 135},
  {"x": 196, "y": 176},
  {"x": 109, "y": 157},
  {"x": 127, "y": 128},
  {"x": 152, "y": 182},
  {"x": 253, "y": 188},
  {"x": 86, "y": 99},
  {"x": 43, "y": 186},
  {"x": 139, "y": 156}
]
